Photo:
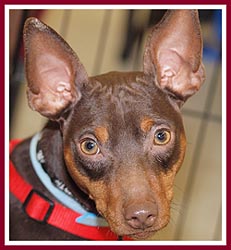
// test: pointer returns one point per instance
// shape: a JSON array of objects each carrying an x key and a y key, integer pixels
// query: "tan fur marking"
[
  {"x": 96, "y": 189},
  {"x": 168, "y": 179},
  {"x": 146, "y": 124},
  {"x": 102, "y": 134}
]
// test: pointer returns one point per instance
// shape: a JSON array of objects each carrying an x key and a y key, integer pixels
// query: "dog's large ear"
[
  {"x": 53, "y": 70},
  {"x": 173, "y": 54}
]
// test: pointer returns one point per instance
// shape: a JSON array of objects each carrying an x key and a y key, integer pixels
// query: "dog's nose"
[{"x": 141, "y": 216}]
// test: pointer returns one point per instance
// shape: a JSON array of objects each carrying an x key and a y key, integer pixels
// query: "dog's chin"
[
  {"x": 139, "y": 235},
  {"x": 145, "y": 235}
]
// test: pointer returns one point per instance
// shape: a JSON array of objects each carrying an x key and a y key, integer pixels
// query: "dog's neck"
[{"x": 50, "y": 145}]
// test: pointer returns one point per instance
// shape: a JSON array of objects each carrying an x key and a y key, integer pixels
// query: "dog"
[{"x": 103, "y": 168}]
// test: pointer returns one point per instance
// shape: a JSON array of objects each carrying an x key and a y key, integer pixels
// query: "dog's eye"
[
  {"x": 162, "y": 137},
  {"x": 89, "y": 147}
]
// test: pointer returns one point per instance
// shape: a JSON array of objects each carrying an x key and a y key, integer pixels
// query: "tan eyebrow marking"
[
  {"x": 146, "y": 124},
  {"x": 102, "y": 134}
]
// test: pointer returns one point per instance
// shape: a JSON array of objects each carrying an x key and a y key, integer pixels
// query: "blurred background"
[{"x": 107, "y": 40}]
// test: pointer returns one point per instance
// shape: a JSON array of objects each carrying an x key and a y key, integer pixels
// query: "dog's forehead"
[
  {"x": 124, "y": 89},
  {"x": 122, "y": 100}
]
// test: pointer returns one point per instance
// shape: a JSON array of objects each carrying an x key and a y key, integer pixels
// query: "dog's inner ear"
[
  {"x": 173, "y": 54},
  {"x": 54, "y": 72}
]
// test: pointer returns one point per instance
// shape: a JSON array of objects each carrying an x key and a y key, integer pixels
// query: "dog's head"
[{"x": 123, "y": 135}]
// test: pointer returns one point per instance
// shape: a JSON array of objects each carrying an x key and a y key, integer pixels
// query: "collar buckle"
[{"x": 38, "y": 206}]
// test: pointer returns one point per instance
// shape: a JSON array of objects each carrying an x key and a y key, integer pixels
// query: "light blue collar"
[{"x": 87, "y": 218}]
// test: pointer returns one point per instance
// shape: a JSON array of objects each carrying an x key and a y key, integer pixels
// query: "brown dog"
[{"x": 114, "y": 143}]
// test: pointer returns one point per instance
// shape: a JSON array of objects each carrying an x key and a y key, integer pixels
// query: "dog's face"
[
  {"x": 122, "y": 132},
  {"x": 125, "y": 151}
]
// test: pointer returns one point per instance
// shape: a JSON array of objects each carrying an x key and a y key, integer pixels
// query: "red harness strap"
[{"x": 42, "y": 209}]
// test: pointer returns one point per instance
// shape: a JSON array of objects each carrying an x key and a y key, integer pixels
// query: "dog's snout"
[{"x": 141, "y": 215}]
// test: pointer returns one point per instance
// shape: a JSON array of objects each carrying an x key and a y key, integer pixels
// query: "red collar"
[{"x": 44, "y": 210}]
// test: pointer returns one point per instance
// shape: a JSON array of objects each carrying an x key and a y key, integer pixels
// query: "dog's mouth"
[
  {"x": 137, "y": 224},
  {"x": 143, "y": 235},
  {"x": 148, "y": 233}
]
